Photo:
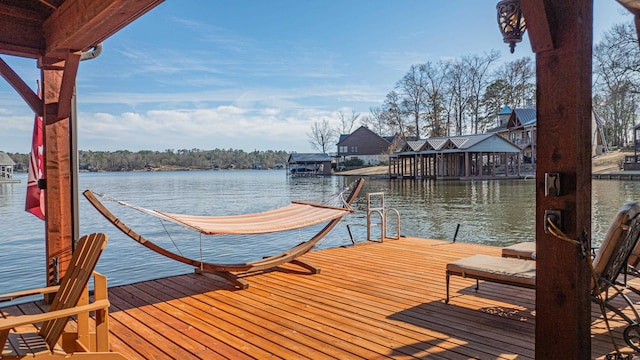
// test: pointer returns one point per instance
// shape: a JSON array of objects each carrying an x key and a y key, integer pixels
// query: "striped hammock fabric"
[{"x": 290, "y": 217}]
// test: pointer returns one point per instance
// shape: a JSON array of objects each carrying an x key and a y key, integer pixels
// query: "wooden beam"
[
  {"x": 632, "y": 5},
  {"x": 58, "y": 79},
  {"x": 564, "y": 74},
  {"x": 538, "y": 28},
  {"x": 79, "y": 24},
  {"x": 21, "y": 87},
  {"x": 68, "y": 85}
]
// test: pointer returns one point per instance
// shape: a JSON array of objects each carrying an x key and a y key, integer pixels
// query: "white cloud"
[{"x": 217, "y": 127}]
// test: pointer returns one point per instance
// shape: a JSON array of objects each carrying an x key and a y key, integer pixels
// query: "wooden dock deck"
[{"x": 373, "y": 301}]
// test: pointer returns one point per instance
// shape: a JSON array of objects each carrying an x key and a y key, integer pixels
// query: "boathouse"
[
  {"x": 300, "y": 164},
  {"x": 482, "y": 156},
  {"x": 631, "y": 161},
  {"x": 6, "y": 167}
]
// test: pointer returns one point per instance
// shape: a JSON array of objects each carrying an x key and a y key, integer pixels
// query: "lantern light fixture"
[{"x": 511, "y": 22}]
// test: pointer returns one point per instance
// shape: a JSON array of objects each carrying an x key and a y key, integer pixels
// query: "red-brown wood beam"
[
  {"x": 21, "y": 87},
  {"x": 57, "y": 171},
  {"x": 75, "y": 24},
  {"x": 563, "y": 97},
  {"x": 634, "y": 7},
  {"x": 68, "y": 84},
  {"x": 538, "y": 29},
  {"x": 80, "y": 24}
]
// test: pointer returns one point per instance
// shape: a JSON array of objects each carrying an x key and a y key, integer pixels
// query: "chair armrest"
[
  {"x": 10, "y": 323},
  {"x": 39, "y": 291},
  {"x": 18, "y": 294}
]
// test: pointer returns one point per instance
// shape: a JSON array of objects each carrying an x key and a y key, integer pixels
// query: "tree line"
[
  {"x": 464, "y": 95},
  {"x": 195, "y": 159}
]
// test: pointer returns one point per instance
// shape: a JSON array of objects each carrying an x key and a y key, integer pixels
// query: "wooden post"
[
  {"x": 58, "y": 79},
  {"x": 563, "y": 70}
]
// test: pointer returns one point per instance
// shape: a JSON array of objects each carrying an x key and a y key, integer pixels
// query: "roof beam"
[
  {"x": 80, "y": 24},
  {"x": 632, "y": 5},
  {"x": 21, "y": 87},
  {"x": 538, "y": 27}
]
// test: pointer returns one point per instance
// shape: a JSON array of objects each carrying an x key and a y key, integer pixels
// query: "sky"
[{"x": 256, "y": 75}]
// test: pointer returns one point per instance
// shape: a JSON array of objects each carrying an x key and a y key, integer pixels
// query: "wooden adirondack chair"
[{"x": 71, "y": 299}]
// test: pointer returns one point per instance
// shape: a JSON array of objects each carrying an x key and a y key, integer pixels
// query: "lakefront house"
[
  {"x": 520, "y": 127},
  {"x": 367, "y": 146}
]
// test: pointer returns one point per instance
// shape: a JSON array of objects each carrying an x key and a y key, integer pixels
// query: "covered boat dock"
[{"x": 482, "y": 156}]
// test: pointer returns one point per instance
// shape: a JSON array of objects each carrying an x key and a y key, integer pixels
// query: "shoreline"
[{"x": 606, "y": 166}]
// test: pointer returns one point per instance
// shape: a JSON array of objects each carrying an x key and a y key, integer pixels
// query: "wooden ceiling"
[
  {"x": 53, "y": 28},
  {"x": 632, "y": 5}
]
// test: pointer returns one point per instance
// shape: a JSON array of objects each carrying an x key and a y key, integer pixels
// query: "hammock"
[{"x": 294, "y": 216}]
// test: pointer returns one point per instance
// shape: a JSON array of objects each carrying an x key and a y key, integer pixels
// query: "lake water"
[{"x": 498, "y": 212}]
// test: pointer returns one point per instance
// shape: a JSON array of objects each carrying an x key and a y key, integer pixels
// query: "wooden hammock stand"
[{"x": 231, "y": 271}]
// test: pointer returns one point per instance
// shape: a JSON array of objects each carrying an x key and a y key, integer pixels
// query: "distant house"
[
  {"x": 366, "y": 145},
  {"x": 520, "y": 128},
  {"x": 6, "y": 167},
  {"x": 309, "y": 164}
]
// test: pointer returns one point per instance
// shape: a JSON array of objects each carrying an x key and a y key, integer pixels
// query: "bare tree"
[
  {"x": 435, "y": 76},
  {"x": 412, "y": 91},
  {"x": 479, "y": 72},
  {"x": 346, "y": 121},
  {"x": 617, "y": 69},
  {"x": 321, "y": 135},
  {"x": 376, "y": 121},
  {"x": 457, "y": 95}
]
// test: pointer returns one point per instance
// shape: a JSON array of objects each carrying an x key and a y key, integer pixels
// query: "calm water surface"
[{"x": 490, "y": 212}]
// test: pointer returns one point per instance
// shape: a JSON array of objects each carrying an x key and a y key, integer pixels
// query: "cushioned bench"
[
  {"x": 503, "y": 270},
  {"x": 610, "y": 260},
  {"x": 525, "y": 250}
]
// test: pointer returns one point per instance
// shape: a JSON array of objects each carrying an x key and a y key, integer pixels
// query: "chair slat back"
[
  {"x": 622, "y": 237},
  {"x": 83, "y": 262}
]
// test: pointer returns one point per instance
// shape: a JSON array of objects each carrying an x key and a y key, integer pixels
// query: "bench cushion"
[
  {"x": 525, "y": 250},
  {"x": 507, "y": 270}
]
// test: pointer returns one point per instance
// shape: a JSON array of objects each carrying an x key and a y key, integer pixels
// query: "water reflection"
[{"x": 490, "y": 212}]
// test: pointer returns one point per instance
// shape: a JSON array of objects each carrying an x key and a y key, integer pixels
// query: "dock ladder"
[{"x": 377, "y": 199}]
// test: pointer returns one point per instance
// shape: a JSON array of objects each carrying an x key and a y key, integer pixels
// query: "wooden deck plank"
[
  {"x": 361, "y": 321},
  {"x": 143, "y": 301},
  {"x": 205, "y": 320},
  {"x": 373, "y": 301},
  {"x": 405, "y": 316},
  {"x": 275, "y": 319},
  {"x": 172, "y": 329},
  {"x": 374, "y": 306}
]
